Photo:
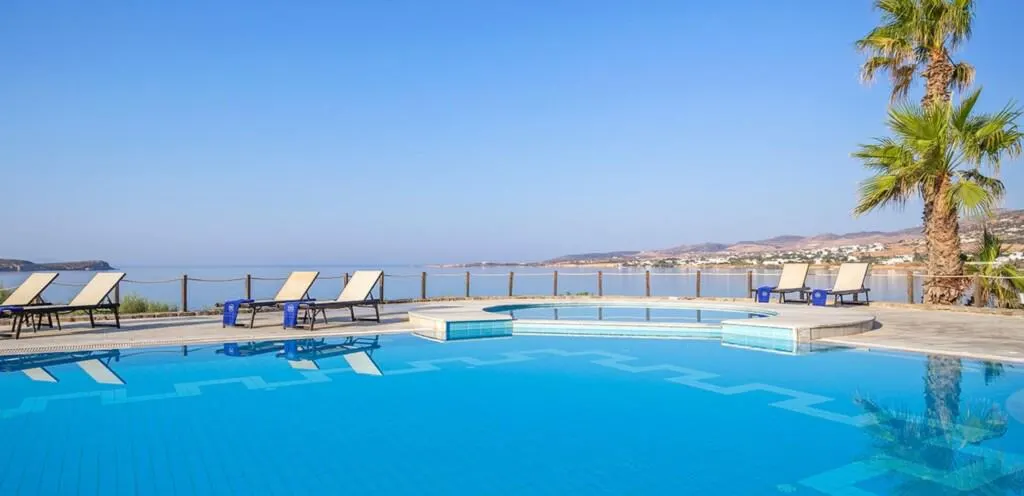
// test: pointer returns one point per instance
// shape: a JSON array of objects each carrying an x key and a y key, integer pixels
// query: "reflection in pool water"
[
  {"x": 522, "y": 415},
  {"x": 622, "y": 313}
]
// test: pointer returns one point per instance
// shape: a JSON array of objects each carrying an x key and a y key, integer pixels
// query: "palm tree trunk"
[
  {"x": 938, "y": 78},
  {"x": 942, "y": 389},
  {"x": 942, "y": 404},
  {"x": 942, "y": 239}
]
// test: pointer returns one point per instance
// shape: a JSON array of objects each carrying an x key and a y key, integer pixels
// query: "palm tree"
[
  {"x": 940, "y": 153},
  {"x": 998, "y": 282},
  {"x": 918, "y": 36},
  {"x": 942, "y": 379},
  {"x": 935, "y": 439}
]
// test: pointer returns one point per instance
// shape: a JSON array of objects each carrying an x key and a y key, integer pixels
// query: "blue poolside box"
[
  {"x": 291, "y": 314},
  {"x": 232, "y": 349},
  {"x": 819, "y": 297},
  {"x": 764, "y": 294},
  {"x": 291, "y": 349},
  {"x": 231, "y": 311}
]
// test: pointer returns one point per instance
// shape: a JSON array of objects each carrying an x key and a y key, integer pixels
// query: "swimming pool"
[
  {"x": 519, "y": 415},
  {"x": 623, "y": 313}
]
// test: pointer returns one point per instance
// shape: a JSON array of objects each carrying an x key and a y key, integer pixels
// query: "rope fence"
[
  {"x": 65, "y": 284},
  {"x": 906, "y": 286},
  {"x": 233, "y": 279},
  {"x": 165, "y": 281}
]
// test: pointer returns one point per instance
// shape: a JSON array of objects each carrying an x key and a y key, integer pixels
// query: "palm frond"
[
  {"x": 986, "y": 138},
  {"x": 962, "y": 111},
  {"x": 902, "y": 77},
  {"x": 959, "y": 17},
  {"x": 896, "y": 177},
  {"x": 975, "y": 194},
  {"x": 999, "y": 282},
  {"x": 963, "y": 76},
  {"x": 910, "y": 33}
]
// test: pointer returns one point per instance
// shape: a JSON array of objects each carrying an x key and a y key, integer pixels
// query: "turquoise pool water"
[
  {"x": 620, "y": 313},
  {"x": 512, "y": 416}
]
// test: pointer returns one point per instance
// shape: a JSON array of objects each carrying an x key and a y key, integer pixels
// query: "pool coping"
[{"x": 974, "y": 335}]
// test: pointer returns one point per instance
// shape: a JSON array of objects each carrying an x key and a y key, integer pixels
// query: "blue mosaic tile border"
[
  {"x": 478, "y": 329},
  {"x": 762, "y": 343},
  {"x": 527, "y": 328},
  {"x": 780, "y": 333}
]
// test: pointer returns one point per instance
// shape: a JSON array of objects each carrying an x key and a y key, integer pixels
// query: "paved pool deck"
[
  {"x": 970, "y": 335},
  {"x": 983, "y": 336}
]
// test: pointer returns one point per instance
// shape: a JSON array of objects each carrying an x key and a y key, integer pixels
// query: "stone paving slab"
[{"x": 980, "y": 336}]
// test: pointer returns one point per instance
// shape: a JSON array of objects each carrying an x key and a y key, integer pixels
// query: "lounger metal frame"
[
  {"x": 53, "y": 312},
  {"x": 255, "y": 306},
  {"x": 314, "y": 307},
  {"x": 838, "y": 296}
]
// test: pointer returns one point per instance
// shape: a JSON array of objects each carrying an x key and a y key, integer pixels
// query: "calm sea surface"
[{"x": 209, "y": 285}]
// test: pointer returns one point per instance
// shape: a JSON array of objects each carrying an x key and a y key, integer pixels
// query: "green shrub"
[
  {"x": 4, "y": 293},
  {"x": 134, "y": 303}
]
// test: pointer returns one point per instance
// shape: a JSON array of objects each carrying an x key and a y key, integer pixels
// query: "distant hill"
[
  {"x": 1008, "y": 224},
  {"x": 11, "y": 265}
]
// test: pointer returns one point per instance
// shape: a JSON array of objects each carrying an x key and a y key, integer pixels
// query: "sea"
[{"x": 208, "y": 285}]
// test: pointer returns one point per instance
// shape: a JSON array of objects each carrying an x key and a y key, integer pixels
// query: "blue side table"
[
  {"x": 764, "y": 294},
  {"x": 819, "y": 297}
]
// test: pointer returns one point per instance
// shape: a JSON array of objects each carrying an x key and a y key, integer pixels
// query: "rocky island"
[{"x": 11, "y": 265}]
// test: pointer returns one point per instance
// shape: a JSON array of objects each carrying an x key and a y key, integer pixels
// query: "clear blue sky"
[{"x": 414, "y": 131}]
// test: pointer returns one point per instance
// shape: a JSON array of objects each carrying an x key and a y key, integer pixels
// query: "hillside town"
[{"x": 902, "y": 248}]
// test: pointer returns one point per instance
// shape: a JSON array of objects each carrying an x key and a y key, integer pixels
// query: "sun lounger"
[
  {"x": 357, "y": 353},
  {"x": 100, "y": 372},
  {"x": 792, "y": 280},
  {"x": 850, "y": 282},
  {"x": 94, "y": 296},
  {"x": 96, "y": 364},
  {"x": 30, "y": 292},
  {"x": 357, "y": 293},
  {"x": 295, "y": 288}
]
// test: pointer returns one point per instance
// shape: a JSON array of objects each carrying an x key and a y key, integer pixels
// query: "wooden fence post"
[
  {"x": 647, "y": 283},
  {"x": 600, "y": 286},
  {"x": 910, "y": 286},
  {"x": 698, "y": 283},
  {"x": 248, "y": 286},
  {"x": 511, "y": 278},
  {"x": 423, "y": 285},
  {"x": 978, "y": 302},
  {"x": 554, "y": 290},
  {"x": 184, "y": 292},
  {"x": 467, "y": 284},
  {"x": 382, "y": 277},
  {"x": 346, "y": 278},
  {"x": 750, "y": 283}
]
